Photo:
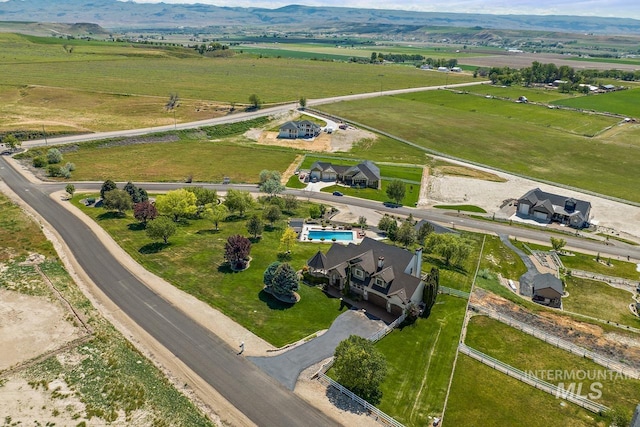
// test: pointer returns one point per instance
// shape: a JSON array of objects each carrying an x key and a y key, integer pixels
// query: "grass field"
[
  {"x": 599, "y": 300},
  {"x": 500, "y": 259},
  {"x": 623, "y": 102},
  {"x": 521, "y": 138},
  {"x": 530, "y": 354},
  {"x": 194, "y": 262},
  {"x": 415, "y": 386},
  {"x": 462, "y": 208},
  {"x": 111, "y": 375},
  {"x": 485, "y": 397},
  {"x": 541, "y": 95},
  {"x": 412, "y": 193}
]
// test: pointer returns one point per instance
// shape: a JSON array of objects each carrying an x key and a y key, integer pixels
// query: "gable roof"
[
  {"x": 438, "y": 229},
  {"x": 289, "y": 125},
  {"x": 555, "y": 203},
  {"x": 547, "y": 281},
  {"x": 318, "y": 261}
]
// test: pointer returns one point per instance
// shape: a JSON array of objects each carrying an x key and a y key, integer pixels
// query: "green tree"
[
  {"x": 314, "y": 211},
  {"x": 285, "y": 281},
  {"x": 161, "y": 228},
  {"x": 303, "y": 102},
  {"x": 362, "y": 222},
  {"x": 451, "y": 247},
  {"x": 137, "y": 194},
  {"x": 107, "y": 186},
  {"x": 145, "y": 212},
  {"x": 360, "y": 367},
  {"x": 290, "y": 203},
  {"x": 272, "y": 213},
  {"x": 255, "y": 226},
  {"x": 177, "y": 204},
  {"x": 423, "y": 232},
  {"x": 385, "y": 223},
  {"x": 54, "y": 156},
  {"x": 266, "y": 175},
  {"x": 396, "y": 191},
  {"x": 288, "y": 240},
  {"x": 216, "y": 213},
  {"x": 204, "y": 196},
  {"x": 558, "y": 243},
  {"x": 272, "y": 187},
  {"x": 406, "y": 234},
  {"x": 70, "y": 189},
  {"x": 255, "y": 101},
  {"x": 117, "y": 200},
  {"x": 237, "y": 200},
  {"x": 431, "y": 287},
  {"x": 237, "y": 250},
  {"x": 11, "y": 141},
  {"x": 269, "y": 272}
]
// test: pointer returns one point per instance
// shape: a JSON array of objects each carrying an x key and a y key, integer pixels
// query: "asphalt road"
[{"x": 262, "y": 399}]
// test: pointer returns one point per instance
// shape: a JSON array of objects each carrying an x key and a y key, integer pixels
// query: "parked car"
[{"x": 337, "y": 193}]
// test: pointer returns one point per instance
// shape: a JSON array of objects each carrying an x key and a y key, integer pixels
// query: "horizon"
[{"x": 588, "y": 8}]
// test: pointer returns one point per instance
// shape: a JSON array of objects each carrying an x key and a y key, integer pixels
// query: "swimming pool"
[{"x": 330, "y": 235}]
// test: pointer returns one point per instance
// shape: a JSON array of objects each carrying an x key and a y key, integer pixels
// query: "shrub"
[
  {"x": 54, "y": 156},
  {"x": 70, "y": 166},
  {"x": 39, "y": 162}
]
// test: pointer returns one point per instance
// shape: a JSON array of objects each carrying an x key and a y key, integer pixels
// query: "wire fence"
[
  {"x": 616, "y": 282},
  {"x": 556, "y": 341},
  {"x": 559, "y": 392},
  {"x": 454, "y": 292}
]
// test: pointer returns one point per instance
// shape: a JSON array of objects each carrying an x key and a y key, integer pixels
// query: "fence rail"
[
  {"x": 454, "y": 292},
  {"x": 533, "y": 381},
  {"x": 560, "y": 343},
  {"x": 374, "y": 412}
]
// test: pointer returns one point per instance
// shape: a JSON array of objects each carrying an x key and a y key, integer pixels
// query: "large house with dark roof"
[
  {"x": 387, "y": 276},
  {"x": 543, "y": 206},
  {"x": 365, "y": 174},
  {"x": 299, "y": 129},
  {"x": 548, "y": 290}
]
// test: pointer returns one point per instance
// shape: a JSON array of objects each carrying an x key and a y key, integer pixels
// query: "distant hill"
[{"x": 113, "y": 14}]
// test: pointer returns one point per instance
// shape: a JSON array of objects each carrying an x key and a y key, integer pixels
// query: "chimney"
[
  {"x": 417, "y": 263},
  {"x": 380, "y": 262}
]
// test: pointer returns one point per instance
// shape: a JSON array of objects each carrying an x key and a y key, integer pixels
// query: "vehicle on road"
[{"x": 337, "y": 193}]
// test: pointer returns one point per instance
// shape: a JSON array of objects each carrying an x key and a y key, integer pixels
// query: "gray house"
[
  {"x": 548, "y": 207},
  {"x": 384, "y": 275},
  {"x": 365, "y": 174},
  {"x": 548, "y": 290},
  {"x": 299, "y": 129}
]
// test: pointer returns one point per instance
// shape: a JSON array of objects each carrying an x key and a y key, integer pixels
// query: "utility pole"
[{"x": 45, "y": 135}]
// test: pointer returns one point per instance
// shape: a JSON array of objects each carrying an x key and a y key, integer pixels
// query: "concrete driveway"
[{"x": 286, "y": 367}]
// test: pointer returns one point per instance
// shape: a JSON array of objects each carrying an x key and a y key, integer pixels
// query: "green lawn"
[
  {"x": 520, "y": 138},
  {"x": 462, "y": 208},
  {"x": 481, "y": 396},
  {"x": 412, "y": 193},
  {"x": 193, "y": 262},
  {"x": 527, "y": 353},
  {"x": 623, "y": 102},
  {"x": 588, "y": 262},
  {"x": 416, "y": 386},
  {"x": 541, "y": 95},
  {"x": 597, "y": 299},
  {"x": 500, "y": 259}
]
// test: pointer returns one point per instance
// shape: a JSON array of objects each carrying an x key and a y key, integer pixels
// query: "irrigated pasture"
[{"x": 623, "y": 102}]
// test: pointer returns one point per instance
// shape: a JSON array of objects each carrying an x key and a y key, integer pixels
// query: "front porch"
[{"x": 370, "y": 309}]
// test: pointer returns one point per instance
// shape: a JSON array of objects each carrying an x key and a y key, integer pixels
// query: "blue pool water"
[{"x": 331, "y": 234}]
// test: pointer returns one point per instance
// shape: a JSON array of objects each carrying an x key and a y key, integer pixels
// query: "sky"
[{"x": 604, "y": 8}]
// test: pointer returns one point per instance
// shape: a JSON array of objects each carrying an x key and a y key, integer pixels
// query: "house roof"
[
  {"x": 547, "y": 281},
  {"x": 318, "y": 261},
  {"x": 296, "y": 224},
  {"x": 367, "y": 168},
  {"x": 366, "y": 255},
  {"x": 289, "y": 125},
  {"x": 438, "y": 229},
  {"x": 555, "y": 203}
]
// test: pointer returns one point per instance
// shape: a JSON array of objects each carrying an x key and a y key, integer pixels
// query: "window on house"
[
  {"x": 380, "y": 282},
  {"x": 357, "y": 273}
]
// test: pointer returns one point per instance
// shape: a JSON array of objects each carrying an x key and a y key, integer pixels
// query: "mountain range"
[{"x": 117, "y": 15}]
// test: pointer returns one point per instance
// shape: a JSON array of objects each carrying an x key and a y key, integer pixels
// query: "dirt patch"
[{"x": 586, "y": 335}]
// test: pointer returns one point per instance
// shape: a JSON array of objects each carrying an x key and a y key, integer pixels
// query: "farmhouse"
[
  {"x": 549, "y": 207},
  {"x": 548, "y": 290},
  {"x": 384, "y": 275},
  {"x": 299, "y": 129},
  {"x": 365, "y": 174}
]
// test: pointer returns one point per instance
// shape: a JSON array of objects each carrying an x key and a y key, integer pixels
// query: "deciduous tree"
[
  {"x": 11, "y": 141},
  {"x": 70, "y": 189},
  {"x": 161, "y": 228},
  {"x": 255, "y": 226},
  {"x": 406, "y": 234},
  {"x": 272, "y": 213},
  {"x": 107, "y": 186},
  {"x": 558, "y": 243},
  {"x": 117, "y": 200},
  {"x": 360, "y": 367},
  {"x": 288, "y": 239},
  {"x": 177, "y": 203},
  {"x": 290, "y": 203},
  {"x": 396, "y": 191},
  {"x": 237, "y": 250},
  {"x": 237, "y": 200},
  {"x": 451, "y": 247},
  {"x": 216, "y": 213},
  {"x": 423, "y": 232},
  {"x": 54, "y": 156},
  {"x": 145, "y": 211}
]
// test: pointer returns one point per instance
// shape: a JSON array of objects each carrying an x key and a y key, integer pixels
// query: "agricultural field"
[
  {"x": 525, "y": 139},
  {"x": 92, "y": 376},
  {"x": 486, "y": 396},
  {"x": 624, "y": 102},
  {"x": 540, "y": 95},
  {"x": 193, "y": 261},
  {"x": 527, "y": 353},
  {"x": 415, "y": 387},
  {"x": 599, "y": 300}
]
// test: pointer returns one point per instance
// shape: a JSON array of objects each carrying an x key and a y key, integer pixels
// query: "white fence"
[
  {"x": 532, "y": 380},
  {"x": 454, "y": 292},
  {"x": 374, "y": 412},
  {"x": 556, "y": 341}
]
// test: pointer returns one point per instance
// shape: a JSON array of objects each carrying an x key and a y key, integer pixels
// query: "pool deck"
[{"x": 358, "y": 234}]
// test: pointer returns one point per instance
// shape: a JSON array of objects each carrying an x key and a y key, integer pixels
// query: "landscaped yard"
[
  {"x": 530, "y": 354},
  {"x": 412, "y": 193},
  {"x": 416, "y": 386},
  {"x": 482, "y": 396},
  {"x": 194, "y": 262},
  {"x": 597, "y": 299}
]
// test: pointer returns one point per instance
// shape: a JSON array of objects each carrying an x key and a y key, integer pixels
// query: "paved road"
[
  {"x": 286, "y": 367},
  {"x": 244, "y": 385}
]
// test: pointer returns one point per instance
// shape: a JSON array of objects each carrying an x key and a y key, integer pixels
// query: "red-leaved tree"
[
  {"x": 237, "y": 250},
  {"x": 145, "y": 211}
]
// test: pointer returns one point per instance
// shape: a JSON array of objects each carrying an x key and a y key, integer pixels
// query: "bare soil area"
[{"x": 521, "y": 60}]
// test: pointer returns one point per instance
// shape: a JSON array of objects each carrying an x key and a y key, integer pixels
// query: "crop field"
[
  {"x": 623, "y": 102},
  {"x": 483, "y": 396},
  {"x": 156, "y": 71},
  {"x": 599, "y": 300},
  {"x": 553, "y": 145},
  {"x": 527, "y": 353},
  {"x": 415, "y": 387}
]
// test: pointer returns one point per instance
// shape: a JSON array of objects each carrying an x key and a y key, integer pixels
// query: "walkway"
[
  {"x": 286, "y": 367},
  {"x": 526, "y": 280}
]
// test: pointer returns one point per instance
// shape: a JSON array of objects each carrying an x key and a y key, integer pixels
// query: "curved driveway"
[{"x": 244, "y": 385}]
